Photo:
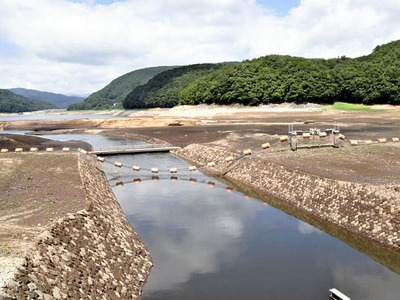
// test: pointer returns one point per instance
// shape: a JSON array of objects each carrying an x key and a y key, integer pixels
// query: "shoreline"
[{"x": 374, "y": 213}]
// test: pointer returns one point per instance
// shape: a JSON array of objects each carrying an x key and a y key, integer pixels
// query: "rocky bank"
[
  {"x": 372, "y": 211},
  {"x": 91, "y": 254}
]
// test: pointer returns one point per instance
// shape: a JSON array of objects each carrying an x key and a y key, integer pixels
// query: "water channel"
[{"x": 211, "y": 241}]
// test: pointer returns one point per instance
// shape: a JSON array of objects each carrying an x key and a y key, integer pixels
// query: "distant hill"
[
  {"x": 164, "y": 89},
  {"x": 13, "y": 103},
  {"x": 115, "y": 92},
  {"x": 370, "y": 79},
  {"x": 59, "y": 100}
]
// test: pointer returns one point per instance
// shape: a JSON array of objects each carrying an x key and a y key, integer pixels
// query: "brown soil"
[{"x": 35, "y": 190}]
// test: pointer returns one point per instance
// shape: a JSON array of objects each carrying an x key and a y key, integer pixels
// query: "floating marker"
[
  {"x": 101, "y": 159},
  {"x": 265, "y": 145},
  {"x": 136, "y": 168},
  {"x": 192, "y": 180},
  {"x": 367, "y": 142},
  {"x": 4, "y": 150},
  {"x": 229, "y": 189},
  {"x": 247, "y": 152},
  {"x": 211, "y": 184},
  {"x": 19, "y": 149},
  {"x": 174, "y": 179},
  {"x": 192, "y": 168},
  {"x": 83, "y": 151},
  {"x": 119, "y": 184},
  {"x": 229, "y": 159},
  {"x": 66, "y": 149},
  {"x": 246, "y": 196},
  {"x": 49, "y": 149},
  {"x": 322, "y": 134},
  {"x": 173, "y": 170},
  {"x": 154, "y": 170},
  {"x": 118, "y": 164},
  {"x": 353, "y": 142},
  {"x": 395, "y": 140},
  {"x": 306, "y": 135},
  {"x": 211, "y": 164},
  {"x": 155, "y": 178},
  {"x": 382, "y": 141},
  {"x": 341, "y": 136},
  {"x": 137, "y": 180},
  {"x": 283, "y": 138},
  {"x": 34, "y": 149}
]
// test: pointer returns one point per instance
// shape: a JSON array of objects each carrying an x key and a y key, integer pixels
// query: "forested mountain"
[
  {"x": 13, "y": 103},
  {"x": 115, "y": 92},
  {"x": 59, "y": 100},
  {"x": 164, "y": 89},
  {"x": 370, "y": 79}
]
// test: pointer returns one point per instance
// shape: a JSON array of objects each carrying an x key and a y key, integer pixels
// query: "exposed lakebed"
[{"x": 210, "y": 242}]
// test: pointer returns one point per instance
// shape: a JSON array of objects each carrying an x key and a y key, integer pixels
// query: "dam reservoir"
[{"x": 209, "y": 240}]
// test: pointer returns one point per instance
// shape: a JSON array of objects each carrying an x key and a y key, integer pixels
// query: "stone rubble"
[
  {"x": 367, "y": 210},
  {"x": 91, "y": 254}
]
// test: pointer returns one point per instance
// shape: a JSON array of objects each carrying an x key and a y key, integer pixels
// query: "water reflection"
[{"x": 207, "y": 243}]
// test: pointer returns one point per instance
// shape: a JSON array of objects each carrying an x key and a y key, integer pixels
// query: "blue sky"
[{"x": 78, "y": 46}]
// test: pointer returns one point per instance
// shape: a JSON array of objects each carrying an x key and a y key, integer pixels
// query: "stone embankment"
[
  {"x": 368, "y": 210},
  {"x": 91, "y": 254}
]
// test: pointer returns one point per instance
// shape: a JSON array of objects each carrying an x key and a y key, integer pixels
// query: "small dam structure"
[
  {"x": 133, "y": 149},
  {"x": 316, "y": 138}
]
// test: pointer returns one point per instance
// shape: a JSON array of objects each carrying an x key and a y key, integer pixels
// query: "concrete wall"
[
  {"x": 91, "y": 254},
  {"x": 370, "y": 211}
]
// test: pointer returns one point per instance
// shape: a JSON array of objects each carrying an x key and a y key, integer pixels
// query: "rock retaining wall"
[
  {"x": 371, "y": 211},
  {"x": 91, "y": 254}
]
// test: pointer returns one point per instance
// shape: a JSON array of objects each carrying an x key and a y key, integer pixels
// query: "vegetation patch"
[{"x": 351, "y": 106}]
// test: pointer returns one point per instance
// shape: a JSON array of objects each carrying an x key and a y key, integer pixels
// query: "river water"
[{"x": 209, "y": 240}]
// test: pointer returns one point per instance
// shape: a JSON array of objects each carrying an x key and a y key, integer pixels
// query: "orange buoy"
[
  {"x": 173, "y": 170},
  {"x": 306, "y": 135},
  {"x": 137, "y": 180},
  {"x": 101, "y": 159},
  {"x": 4, "y": 150},
  {"x": 322, "y": 134},
  {"x": 19, "y": 149},
  {"x": 353, "y": 142},
  {"x": 33, "y": 149},
  {"x": 118, "y": 164},
  {"x": 154, "y": 170},
  {"x": 136, "y": 168},
  {"x": 247, "y": 152},
  {"x": 119, "y": 184},
  {"x": 382, "y": 141},
  {"x": 395, "y": 140},
  {"x": 155, "y": 178},
  {"x": 367, "y": 142},
  {"x": 83, "y": 151},
  {"x": 174, "y": 179},
  {"x": 341, "y": 136},
  {"x": 245, "y": 196},
  {"x": 211, "y": 164},
  {"x": 229, "y": 189},
  {"x": 211, "y": 184},
  {"x": 66, "y": 149},
  {"x": 265, "y": 145},
  {"x": 283, "y": 138},
  {"x": 192, "y": 180},
  {"x": 192, "y": 168},
  {"x": 229, "y": 159},
  {"x": 49, "y": 149}
]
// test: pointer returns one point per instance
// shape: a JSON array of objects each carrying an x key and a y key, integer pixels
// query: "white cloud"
[{"x": 81, "y": 46}]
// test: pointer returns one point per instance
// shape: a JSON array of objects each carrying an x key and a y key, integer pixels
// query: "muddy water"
[{"x": 211, "y": 242}]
